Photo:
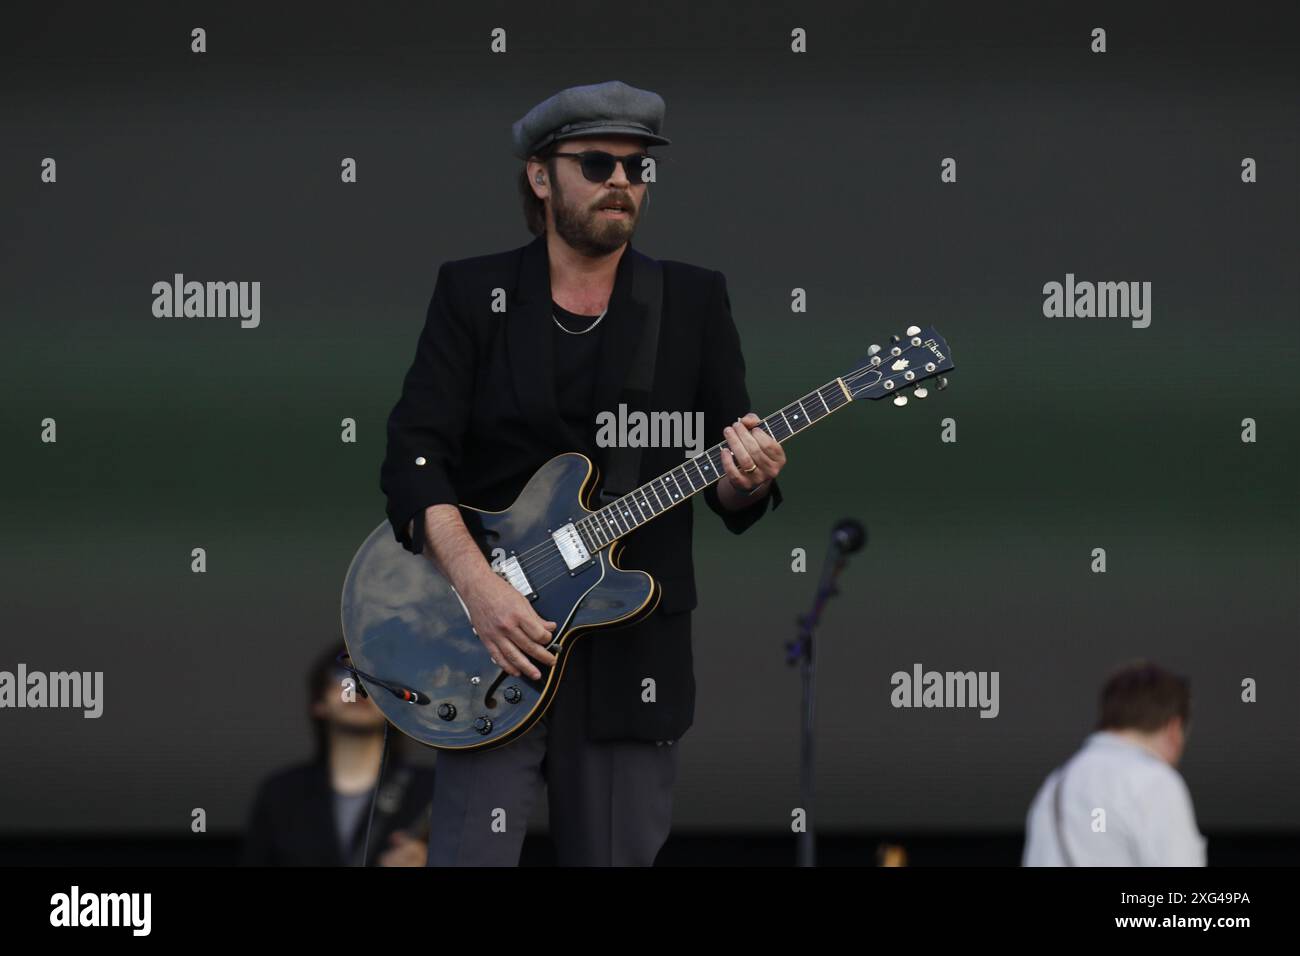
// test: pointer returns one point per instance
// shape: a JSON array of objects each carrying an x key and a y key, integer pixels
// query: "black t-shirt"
[
  {"x": 575, "y": 372},
  {"x": 576, "y": 356}
]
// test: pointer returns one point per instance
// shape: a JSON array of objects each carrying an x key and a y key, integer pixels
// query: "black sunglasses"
[{"x": 598, "y": 166}]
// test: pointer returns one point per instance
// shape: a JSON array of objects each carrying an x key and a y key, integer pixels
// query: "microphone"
[{"x": 848, "y": 536}]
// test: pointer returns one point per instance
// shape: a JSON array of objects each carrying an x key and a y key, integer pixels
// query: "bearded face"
[{"x": 595, "y": 218}]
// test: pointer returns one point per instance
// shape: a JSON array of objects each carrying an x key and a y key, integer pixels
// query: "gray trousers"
[{"x": 610, "y": 802}]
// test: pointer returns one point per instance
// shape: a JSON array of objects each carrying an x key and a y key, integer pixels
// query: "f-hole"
[{"x": 489, "y": 698}]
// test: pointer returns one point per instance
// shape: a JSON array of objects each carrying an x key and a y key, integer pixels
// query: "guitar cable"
[
  {"x": 402, "y": 693},
  {"x": 374, "y": 799}
]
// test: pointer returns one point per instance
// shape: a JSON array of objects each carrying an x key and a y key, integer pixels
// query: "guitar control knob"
[
  {"x": 513, "y": 694},
  {"x": 483, "y": 725},
  {"x": 447, "y": 711}
]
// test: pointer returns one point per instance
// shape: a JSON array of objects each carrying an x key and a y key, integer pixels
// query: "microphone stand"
[{"x": 800, "y": 651}]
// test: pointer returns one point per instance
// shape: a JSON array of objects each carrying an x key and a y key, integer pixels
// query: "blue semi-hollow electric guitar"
[{"x": 408, "y": 632}]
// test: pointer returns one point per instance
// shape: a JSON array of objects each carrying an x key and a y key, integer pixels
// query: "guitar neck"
[{"x": 644, "y": 504}]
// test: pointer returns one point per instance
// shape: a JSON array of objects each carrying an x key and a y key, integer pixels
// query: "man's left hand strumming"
[{"x": 755, "y": 459}]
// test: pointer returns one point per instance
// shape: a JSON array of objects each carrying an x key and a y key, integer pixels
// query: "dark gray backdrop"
[{"x": 818, "y": 171}]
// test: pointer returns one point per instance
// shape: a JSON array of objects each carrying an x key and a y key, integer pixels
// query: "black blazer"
[
  {"x": 479, "y": 405},
  {"x": 292, "y": 819}
]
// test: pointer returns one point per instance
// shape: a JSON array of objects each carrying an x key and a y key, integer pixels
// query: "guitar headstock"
[{"x": 908, "y": 360}]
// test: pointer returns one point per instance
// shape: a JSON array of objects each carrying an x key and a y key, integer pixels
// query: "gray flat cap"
[{"x": 602, "y": 108}]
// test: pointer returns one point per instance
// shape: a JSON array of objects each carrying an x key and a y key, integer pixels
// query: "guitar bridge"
[{"x": 572, "y": 549}]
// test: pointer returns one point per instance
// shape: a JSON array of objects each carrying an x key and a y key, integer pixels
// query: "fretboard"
[{"x": 604, "y": 526}]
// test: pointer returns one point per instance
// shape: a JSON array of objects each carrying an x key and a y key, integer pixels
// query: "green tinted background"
[{"x": 818, "y": 172}]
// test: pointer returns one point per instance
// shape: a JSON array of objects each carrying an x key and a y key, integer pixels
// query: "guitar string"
[
  {"x": 543, "y": 546},
  {"x": 554, "y": 560},
  {"x": 550, "y": 556}
]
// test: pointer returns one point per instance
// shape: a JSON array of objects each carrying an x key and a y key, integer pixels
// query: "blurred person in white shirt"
[{"x": 1119, "y": 801}]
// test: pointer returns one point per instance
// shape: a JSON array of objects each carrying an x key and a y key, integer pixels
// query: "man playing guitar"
[{"x": 520, "y": 352}]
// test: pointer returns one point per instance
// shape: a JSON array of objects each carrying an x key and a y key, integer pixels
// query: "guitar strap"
[
  {"x": 622, "y": 463},
  {"x": 1060, "y": 817}
]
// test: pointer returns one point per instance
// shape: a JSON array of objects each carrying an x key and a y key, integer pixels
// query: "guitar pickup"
[
  {"x": 571, "y": 548},
  {"x": 512, "y": 572}
]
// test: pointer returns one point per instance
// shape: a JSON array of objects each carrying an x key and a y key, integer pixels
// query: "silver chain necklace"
[{"x": 556, "y": 319}]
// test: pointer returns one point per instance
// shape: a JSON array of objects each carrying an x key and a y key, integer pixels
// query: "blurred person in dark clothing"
[{"x": 315, "y": 813}]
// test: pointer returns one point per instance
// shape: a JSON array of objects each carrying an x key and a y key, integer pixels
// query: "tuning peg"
[
  {"x": 895, "y": 339},
  {"x": 873, "y": 350},
  {"x": 942, "y": 383},
  {"x": 900, "y": 400},
  {"x": 913, "y": 330},
  {"x": 920, "y": 391}
]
